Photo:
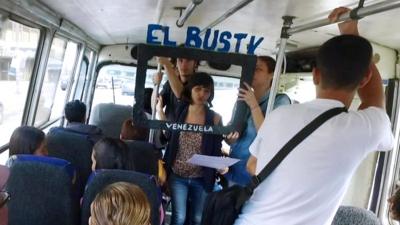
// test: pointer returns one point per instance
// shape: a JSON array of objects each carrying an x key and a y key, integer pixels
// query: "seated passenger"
[
  {"x": 27, "y": 140},
  {"x": 120, "y": 203},
  {"x": 131, "y": 132},
  {"x": 110, "y": 153},
  {"x": 394, "y": 205},
  {"x": 75, "y": 113}
]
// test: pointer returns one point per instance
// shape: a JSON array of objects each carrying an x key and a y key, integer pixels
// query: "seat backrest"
[
  {"x": 109, "y": 118},
  {"x": 42, "y": 192},
  {"x": 145, "y": 156},
  {"x": 350, "y": 215},
  {"x": 101, "y": 178},
  {"x": 75, "y": 148}
]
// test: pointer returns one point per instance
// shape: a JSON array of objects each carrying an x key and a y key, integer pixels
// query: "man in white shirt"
[{"x": 308, "y": 186}]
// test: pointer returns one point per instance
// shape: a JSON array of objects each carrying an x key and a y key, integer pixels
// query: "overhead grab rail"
[
  {"x": 287, "y": 31},
  {"x": 354, "y": 14},
  {"x": 188, "y": 11},
  {"x": 228, "y": 13}
]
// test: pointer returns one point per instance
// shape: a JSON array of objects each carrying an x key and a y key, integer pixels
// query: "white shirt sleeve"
[
  {"x": 255, "y": 147},
  {"x": 379, "y": 128}
]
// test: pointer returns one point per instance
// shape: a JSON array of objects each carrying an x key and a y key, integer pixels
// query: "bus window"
[
  {"x": 123, "y": 78},
  {"x": 60, "y": 66},
  {"x": 82, "y": 76},
  {"x": 225, "y": 94},
  {"x": 18, "y": 46}
]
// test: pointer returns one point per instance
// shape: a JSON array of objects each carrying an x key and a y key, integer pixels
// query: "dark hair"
[
  {"x": 75, "y": 111},
  {"x": 112, "y": 153},
  {"x": 202, "y": 79},
  {"x": 344, "y": 61},
  {"x": 395, "y": 205},
  {"x": 25, "y": 140},
  {"x": 174, "y": 60},
  {"x": 130, "y": 131},
  {"x": 269, "y": 61},
  {"x": 147, "y": 99}
]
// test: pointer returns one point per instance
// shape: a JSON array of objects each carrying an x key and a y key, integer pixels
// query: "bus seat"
[
  {"x": 75, "y": 148},
  {"x": 145, "y": 156},
  {"x": 101, "y": 178},
  {"x": 350, "y": 215},
  {"x": 42, "y": 192},
  {"x": 109, "y": 118}
]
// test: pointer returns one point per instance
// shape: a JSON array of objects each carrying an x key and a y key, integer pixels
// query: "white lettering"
[
  {"x": 174, "y": 126},
  {"x": 209, "y": 129},
  {"x": 190, "y": 127},
  {"x": 168, "y": 125},
  {"x": 180, "y": 126}
]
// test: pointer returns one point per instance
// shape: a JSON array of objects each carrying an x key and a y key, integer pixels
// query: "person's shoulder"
[{"x": 372, "y": 112}]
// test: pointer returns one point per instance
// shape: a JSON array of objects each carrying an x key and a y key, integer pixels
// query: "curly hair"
[{"x": 120, "y": 203}]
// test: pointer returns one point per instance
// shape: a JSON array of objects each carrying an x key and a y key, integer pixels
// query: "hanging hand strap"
[{"x": 291, "y": 144}]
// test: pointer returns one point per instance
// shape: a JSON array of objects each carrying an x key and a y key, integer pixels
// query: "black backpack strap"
[{"x": 291, "y": 144}]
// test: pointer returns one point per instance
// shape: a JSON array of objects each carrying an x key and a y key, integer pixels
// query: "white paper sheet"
[{"x": 212, "y": 161}]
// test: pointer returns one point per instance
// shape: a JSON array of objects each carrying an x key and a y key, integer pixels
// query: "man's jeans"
[{"x": 183, "y": 189}]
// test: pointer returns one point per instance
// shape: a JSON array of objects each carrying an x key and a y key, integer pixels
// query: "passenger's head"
[
  {"x": 111, "y": 153},
  {"x": 147, "y": 100},
  {"x": 185, "y": 67},
  {"x": 75, "y": 111},
  {"x": 394, "y": 205},
  {"x": 264, "y": 72},
  {"x": 130, "y": 131},
  {"x": 27, "y": 140},
  {"x": 120, "y": 203},
  {"x": 199, "y": 89},
  {"x": 343, "y": 63}
]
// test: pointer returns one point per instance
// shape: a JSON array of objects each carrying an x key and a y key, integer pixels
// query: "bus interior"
[{"x": 56, "y": 51}]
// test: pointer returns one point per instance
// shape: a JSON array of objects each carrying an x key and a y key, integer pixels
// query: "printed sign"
[{"x": 210, "y": 41}]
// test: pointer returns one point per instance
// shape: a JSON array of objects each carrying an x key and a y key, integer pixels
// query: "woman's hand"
[
  {"x": 159, "y": 105},
  {"x": 231, "y": 137},
  {"x": 157, "y": 77},
  {"x": 247, "y": 94},
  {"x": 160, "y": 108},
  {"x": 223, "y": 170}
]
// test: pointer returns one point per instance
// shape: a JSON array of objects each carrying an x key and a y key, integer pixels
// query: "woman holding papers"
[{"x": 188, "y": 181}]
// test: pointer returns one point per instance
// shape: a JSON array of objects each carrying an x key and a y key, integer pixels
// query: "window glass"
[
  {"x": 60, "y": 68},
  {"x": 82, "y": 77},
  {"x": 225, "y": 95},
  {"x": 90, "y": 74},
  {"x": 123, "y": 78},
  {"x": 18, "y": 46}
]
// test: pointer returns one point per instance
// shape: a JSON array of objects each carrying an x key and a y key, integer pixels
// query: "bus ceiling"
[{"x": 97, "y": 23}]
